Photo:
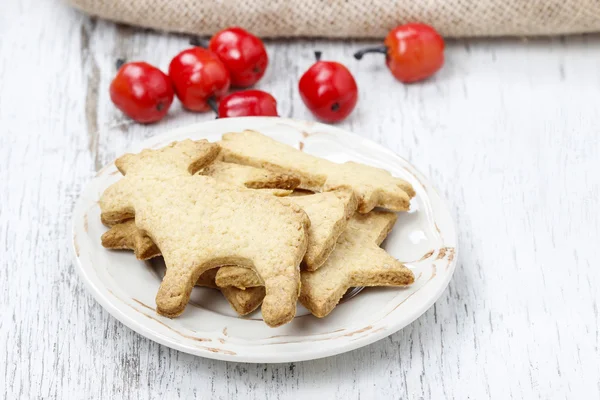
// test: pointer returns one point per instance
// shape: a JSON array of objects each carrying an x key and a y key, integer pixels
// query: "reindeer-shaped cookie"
[
  {"x": 357, "y": 260},
  {"x": 373, "y": 187},
  {"x": 199, "y": 224}
]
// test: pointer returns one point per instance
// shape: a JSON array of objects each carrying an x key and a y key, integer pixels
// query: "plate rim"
[{"x": 143, "y": 329}]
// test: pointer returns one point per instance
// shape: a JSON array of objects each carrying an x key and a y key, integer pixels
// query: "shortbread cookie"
[
  {"x": 329, "y": 213},
  {"x": 178, "y": 159},
  {"x": 357, "y": 260},
  {"x": 207, "y": 279},
  {"x": 239, "y": 277},
  {"x": 199, "y": 224},
  {"x": 253, "y": 178},
  {"x": 373, "y": 187},
  {"x": 126, "y": 236},
  {"x": 242, "y": 301}
]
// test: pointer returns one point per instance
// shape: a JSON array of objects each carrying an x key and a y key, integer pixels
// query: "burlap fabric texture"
[{"x": 354, "y": 18}]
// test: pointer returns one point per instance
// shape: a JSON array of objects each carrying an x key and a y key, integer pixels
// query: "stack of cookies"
[{"x": 261, "y": 221}]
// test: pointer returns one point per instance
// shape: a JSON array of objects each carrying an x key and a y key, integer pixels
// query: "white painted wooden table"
[{"x": 508, "y": 132}]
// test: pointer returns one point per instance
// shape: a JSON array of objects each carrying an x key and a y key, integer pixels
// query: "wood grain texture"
[{"x": 508, "y": 132}]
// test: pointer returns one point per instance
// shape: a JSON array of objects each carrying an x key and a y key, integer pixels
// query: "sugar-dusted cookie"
[
  {"x": 199, "y": 224},
  {"x": 373, "y": 187},
  {"x": 253, "y": 178},
  {"x": 357, "y": 260}
]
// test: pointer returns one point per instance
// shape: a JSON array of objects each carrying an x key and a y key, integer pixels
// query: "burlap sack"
[{"x": 354, "y": 18}]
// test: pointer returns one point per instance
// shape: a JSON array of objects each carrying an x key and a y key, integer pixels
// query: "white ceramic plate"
[{"x": 424, "y": 238}]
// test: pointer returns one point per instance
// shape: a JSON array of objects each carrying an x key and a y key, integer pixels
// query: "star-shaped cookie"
[{"x": 357, "y": 260}]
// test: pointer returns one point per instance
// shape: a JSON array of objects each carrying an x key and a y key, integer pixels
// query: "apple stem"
[
  {"x": 196, "y": 41},
  {"x": 379, "y": 49},
  {"x": 212, "y": 103},
  {"x": 119, "y": 63}
]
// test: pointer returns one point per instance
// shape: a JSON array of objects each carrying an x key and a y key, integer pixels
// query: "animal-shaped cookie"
[
  {"x": 231, "y": 174},
  {"x": 238, "y": 277},
  {"x": 199, "y": 224},
  {"x": 242, "y": 301},
  {"x": 373, "y": 187},
  {"x": 328, "y": 212},
  {"x": 126, "y": 236},
  {"x": 179, "y": 159},
  {"x": 357, "y": 260}
]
